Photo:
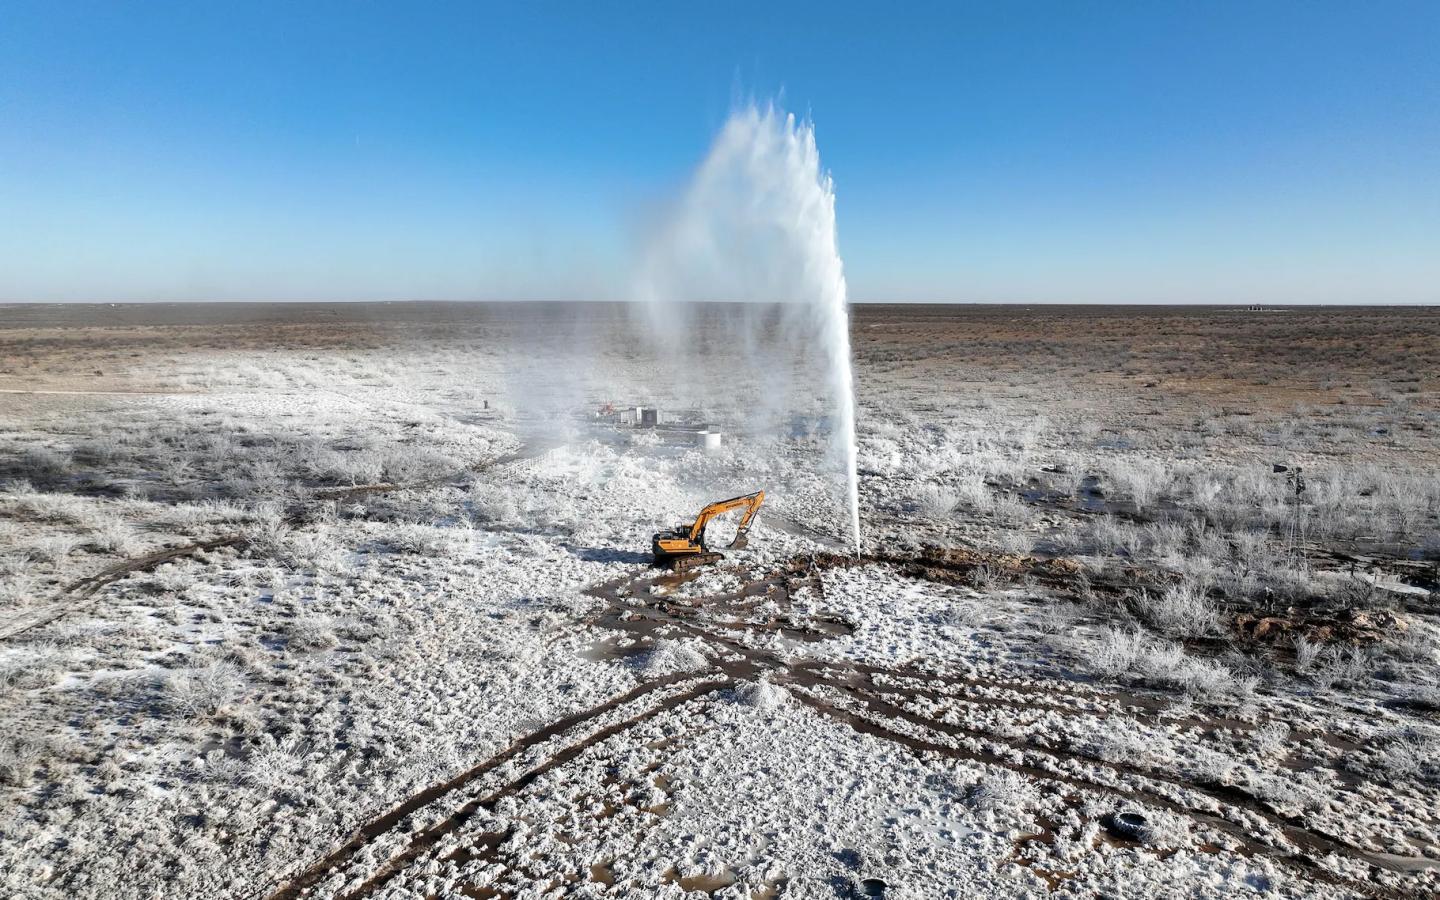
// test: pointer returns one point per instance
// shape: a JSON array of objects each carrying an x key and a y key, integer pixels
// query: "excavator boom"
[
  {"x": 751, "y": 503},
  {"x": 684, "y": 547}
]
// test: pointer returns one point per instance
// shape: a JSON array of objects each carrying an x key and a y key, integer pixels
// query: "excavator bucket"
[{"x": 742, "y": 534}]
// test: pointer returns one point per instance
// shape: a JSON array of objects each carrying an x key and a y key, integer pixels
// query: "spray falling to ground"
[{"x": 757, "y": 224}]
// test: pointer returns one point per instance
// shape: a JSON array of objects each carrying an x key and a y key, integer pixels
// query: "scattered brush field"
[{"x": 355, "y": 601}]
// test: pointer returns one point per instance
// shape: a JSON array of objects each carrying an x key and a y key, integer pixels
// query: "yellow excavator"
[{"x": 684, "y": 547}]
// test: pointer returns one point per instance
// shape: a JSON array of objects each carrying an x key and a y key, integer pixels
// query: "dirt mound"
[{"x": 1349, "y": 626}]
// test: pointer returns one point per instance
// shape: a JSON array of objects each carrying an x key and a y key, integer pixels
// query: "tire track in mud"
[
  {"x": 427, "y": 839},
  {"x": 1252, "y": 847},
  {"x": 1305, "y": 836},
  {"x": 86, "y": 588},
  {"x": 1071, "y": 700},
  {"x": 856, "y": 682}
]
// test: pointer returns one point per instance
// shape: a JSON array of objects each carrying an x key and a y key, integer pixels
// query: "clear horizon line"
[{"x": 853, "y": 302}]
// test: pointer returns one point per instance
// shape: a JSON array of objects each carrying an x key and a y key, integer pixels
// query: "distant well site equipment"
[{"x": 706, "y": 436}]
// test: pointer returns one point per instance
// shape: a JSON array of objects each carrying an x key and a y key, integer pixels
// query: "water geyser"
[{"x": 757, "y": 224}]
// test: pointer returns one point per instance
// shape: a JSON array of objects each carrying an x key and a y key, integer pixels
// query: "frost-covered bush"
[
  {"x": 1055, "y": 617},
  {"x": 172, "y": 578},
  {"x": 1119, "y": 654},
  {"x": 307, "y": 632},
  {"x": 351, "y": 467},
  {"x": 1003, "y": 793},
  {"x": 17, "y": 589},
  {"x": 1409, "y": 753},
  {"x": 1181, "y": 610},
  {"x": 277, "y": 541},
  {"x": 1010, "y": 511},
  {"x": 1280, "y": 792},
  {"x": 208, "y": 514},
  {"x": 494, "y": 504},
  {"x": 1116, "y": 651},
  {"x": 51, "y": 548},
  {"x": 310, "y": 550},
  {"x": 1142, "y": 480},
  {"x": 256, "y": 476},
  {"x": 54, "y": 508},
  {"x": 1067, "y": 481},
  {"x": 115, "y": 537},
  {"x": 1166, "y": 540},
  {"x": 1307, "y": 653},
  {"x": 34, "y": 665},
  {"x": 1199, "y": 677},
  {"x": 98, "y": 451},
  {"x": 880, "y": 454},
  {"x": 274, "y": 765},
  {"x": 1106, "y": 534},
  {"x": 222, "y": 768},
  {"x": 1129, "y": 746},
  {"x": 1346, "y": 667},
  {"x": 1260, "y": 573},
  {"x": 401, "y": 467},
  {"x": 1271, "y": 739},
  {"x": 984, "y": 577},
  {"x": 972, "y": 490},
  {"x": 18, "y": 759},
  {"x": 40, "y": 465},
  {"x": 203, "y": 692},
  {"x": 1206, "y": 766},
  {"x": 1015, "y": 543},
  {"x": 267, "y": 538},
  {"x": 936, "y": 502},
  {"x": 1419, "y": 643},
  {"x": 429, "y": 540}
]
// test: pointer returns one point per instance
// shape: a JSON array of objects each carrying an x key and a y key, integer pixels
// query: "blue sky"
[{"x": 1014, "y": 152}]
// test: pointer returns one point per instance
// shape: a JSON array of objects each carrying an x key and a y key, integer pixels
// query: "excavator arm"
[{"x": 751, "y": 503}]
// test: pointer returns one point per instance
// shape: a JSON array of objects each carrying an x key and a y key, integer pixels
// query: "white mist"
[{"x": 757, "y": 224}]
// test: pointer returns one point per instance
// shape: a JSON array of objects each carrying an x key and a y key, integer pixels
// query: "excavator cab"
[{"x": 684, "y": 546}]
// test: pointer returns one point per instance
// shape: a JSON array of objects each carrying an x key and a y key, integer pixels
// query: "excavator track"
[{"x": 694, "y": 561}]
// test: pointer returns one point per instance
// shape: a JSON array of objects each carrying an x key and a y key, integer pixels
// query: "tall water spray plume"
[{"x": 757, "y": 224}]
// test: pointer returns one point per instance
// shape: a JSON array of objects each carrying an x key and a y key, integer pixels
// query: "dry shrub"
[
  {"x": 19, "y": 757},
  {"x": 1181, "y": 610},
  {"x": 1003, "y": 793},
  {"x": 203, "y": 692}
]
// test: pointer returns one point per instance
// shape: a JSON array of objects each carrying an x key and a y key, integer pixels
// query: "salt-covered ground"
[{"x": 363, "y": 615}]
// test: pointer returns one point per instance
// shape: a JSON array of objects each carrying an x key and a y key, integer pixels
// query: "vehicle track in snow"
[
  {"x": 874, "y": 708},
  {"x": 877, "y": 708},
  {"x": 867, "y": 698},
  {"x": 466, "y": 804},
  {"x": 73, "y": 598},
  {"x": 886, "y": 720},
  {"x": 78, "y": 596}
]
